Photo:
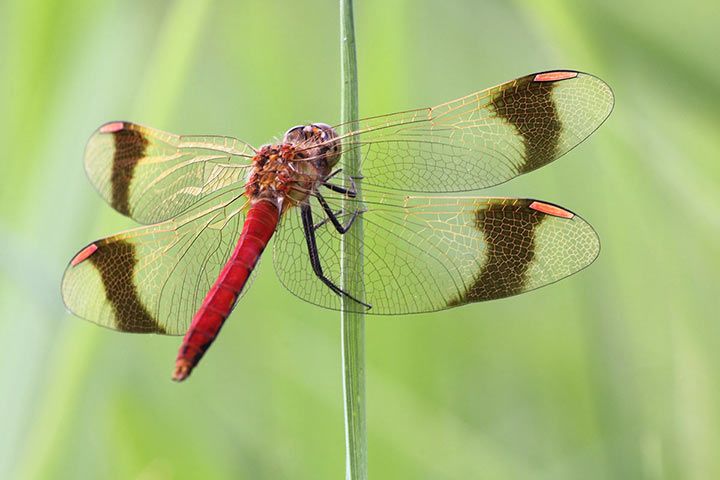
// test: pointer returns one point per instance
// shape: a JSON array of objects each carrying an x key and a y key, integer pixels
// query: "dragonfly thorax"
[{"x": 293, "y": 169}]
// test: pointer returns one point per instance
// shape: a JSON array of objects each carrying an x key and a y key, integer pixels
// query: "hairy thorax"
[{"x": 289, "y": 172}]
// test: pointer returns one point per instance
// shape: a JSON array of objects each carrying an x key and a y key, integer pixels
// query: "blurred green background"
[{"x": 610, "y": 374}]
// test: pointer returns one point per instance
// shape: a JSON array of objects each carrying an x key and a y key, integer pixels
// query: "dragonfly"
[{"x": 210, "y": 204}]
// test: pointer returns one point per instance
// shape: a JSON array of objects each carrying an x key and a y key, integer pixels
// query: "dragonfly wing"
[
  {"x": 152, "y": 176},
  {"x": 154, "y": 278},
  {"x": 424, "y": 254},
  {"x": 483, "y": 139}
]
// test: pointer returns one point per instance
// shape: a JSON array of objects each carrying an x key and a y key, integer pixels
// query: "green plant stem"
[{"x": 352, "y": 317}]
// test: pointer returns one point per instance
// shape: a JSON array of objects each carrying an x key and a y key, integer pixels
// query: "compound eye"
[
  {"x": 327, "y": 131},
  {"x": 295, "y": 128},
  {"x": 294, "y": 134}
]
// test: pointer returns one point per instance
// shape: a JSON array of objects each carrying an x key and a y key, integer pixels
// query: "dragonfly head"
[{"x": 317, "y": 141}]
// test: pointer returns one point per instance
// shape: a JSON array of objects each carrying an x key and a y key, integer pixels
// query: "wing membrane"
[
  {"x": 483, "y": 139},
  {"x": 422, "y": 253},
  {"x": 154, "y": 278},
  {"x": 153, "y": 176},
  {"x": 425, "y": 253}
]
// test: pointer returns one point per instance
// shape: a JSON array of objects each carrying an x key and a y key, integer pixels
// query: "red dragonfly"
[{"x": 211, "y": 204}]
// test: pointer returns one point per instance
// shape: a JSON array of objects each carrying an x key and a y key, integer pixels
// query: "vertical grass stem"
[{"x": 352, "y": 317}]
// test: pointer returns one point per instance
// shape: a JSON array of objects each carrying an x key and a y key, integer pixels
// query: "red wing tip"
[
  {"x": 84, "y": 254},
  {"x": 112, "y": 127},
  {"x": 553, "y": 210},
  {"x": 554, "y": 76}
]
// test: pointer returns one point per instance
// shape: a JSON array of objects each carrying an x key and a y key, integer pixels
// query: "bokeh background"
[{"x": 612, "y": 374}]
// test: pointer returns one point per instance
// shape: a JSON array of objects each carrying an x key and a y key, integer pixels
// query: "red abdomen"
[{"x": 259, "y": 226}]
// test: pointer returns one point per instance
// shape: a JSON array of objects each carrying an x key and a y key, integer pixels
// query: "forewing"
[
  {"x": 424, "y": 253},
  {"x": 152, "y": 176},
  {"x": 483, "y": 139},
  {"x": 154, "y": 278}
]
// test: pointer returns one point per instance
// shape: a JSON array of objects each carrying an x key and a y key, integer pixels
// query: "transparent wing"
[
  {"x": 425, "y": 253},
  {"x": 154, "y": 278},
  {"x": 152, "y": 176},
  {"x": 483, "y": 139}
]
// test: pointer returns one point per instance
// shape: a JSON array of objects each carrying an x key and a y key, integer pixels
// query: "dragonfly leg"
[
  {"x": 332, "y": 216},
  {"x": 325, "y": 220},
  {"x": 332, "y": 174},
  {"x": 306, "y": 214},
  {"x": 350, "y": 192}
]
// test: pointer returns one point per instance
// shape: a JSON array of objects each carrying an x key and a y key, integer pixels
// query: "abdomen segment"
[{"x": 260, "y": 224}]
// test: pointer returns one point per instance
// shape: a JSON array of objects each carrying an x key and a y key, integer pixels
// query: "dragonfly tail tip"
[{"x": 182, "y": 370}]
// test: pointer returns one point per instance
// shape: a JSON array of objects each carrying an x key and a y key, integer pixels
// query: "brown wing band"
[
  {"x": 130, "y": 148},
  {"x": 509, "y": 233},
  {"x": 115, "y": 260},
  {"x": 529, "y": 106}
]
